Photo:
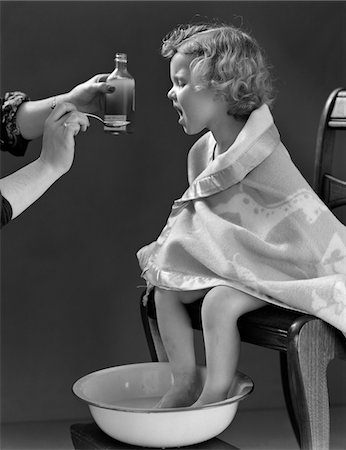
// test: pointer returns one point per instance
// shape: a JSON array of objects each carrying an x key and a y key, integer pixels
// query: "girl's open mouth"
[{"x": 180, "y": 112}]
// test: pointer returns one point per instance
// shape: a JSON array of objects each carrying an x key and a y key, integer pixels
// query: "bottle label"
[{"x": 115, "y": 122}]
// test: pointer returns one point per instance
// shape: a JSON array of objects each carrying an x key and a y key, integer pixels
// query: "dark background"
[{"x": 69, "y": 285}]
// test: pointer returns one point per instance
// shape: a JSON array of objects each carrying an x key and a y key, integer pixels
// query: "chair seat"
[
  {"x": 273, "y": 327},
  {"x": 267, "y": 327}
]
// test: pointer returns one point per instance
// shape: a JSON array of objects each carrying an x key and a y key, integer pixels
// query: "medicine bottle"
[{"x": 120, "y": 104}]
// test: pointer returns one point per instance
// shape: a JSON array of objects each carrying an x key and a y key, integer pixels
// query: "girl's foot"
[
  {"x": 181, "y": 394},
  {"x": 208, "y": 399},
  {"x": 212, "y": 394}
]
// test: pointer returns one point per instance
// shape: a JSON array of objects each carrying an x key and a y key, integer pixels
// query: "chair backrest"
[{"x": 330, "y": 189}]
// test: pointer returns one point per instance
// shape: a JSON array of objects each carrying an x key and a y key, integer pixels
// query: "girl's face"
[{"x": 197, "y": 108}]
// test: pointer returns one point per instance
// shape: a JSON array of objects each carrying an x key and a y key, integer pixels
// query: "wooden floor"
[{"x": 250, "y": 430}]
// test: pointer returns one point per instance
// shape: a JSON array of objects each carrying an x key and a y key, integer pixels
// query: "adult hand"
[
  {"x": 58, "y": 143},
  {"x": 90, "y": 96}
]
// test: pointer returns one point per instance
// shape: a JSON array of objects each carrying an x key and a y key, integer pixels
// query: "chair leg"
[
  {"x": 152, "y": 334},
  {"x": 287, "y": 395},
  {"x": 310, "y": 349}
]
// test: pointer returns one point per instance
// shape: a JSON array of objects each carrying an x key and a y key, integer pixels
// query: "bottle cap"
[{"x": 121, "y": 57}]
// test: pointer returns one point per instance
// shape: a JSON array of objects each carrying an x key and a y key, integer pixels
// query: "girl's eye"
[{"x": 181, "y": 83}]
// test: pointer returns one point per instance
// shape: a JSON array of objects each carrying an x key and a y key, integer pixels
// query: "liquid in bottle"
[{"x": 120, "y": 104}]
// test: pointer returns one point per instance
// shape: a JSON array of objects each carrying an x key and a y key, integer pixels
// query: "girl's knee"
[
  {"x": 215, "y": 299},
  {"x": 214, "y": 306},
  {"x": 226, "y": 303}
]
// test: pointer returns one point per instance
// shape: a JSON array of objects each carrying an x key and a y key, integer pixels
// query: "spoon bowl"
[{"x": 112, "y": 124}]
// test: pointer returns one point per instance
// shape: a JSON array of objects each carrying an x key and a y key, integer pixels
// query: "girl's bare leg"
[
  {"x": 177, "y": 336},
  {"x": 221, "y": 308}
]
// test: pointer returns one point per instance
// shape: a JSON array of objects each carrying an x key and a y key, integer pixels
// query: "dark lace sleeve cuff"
[
  {"x": 6, "y": 211},
  {"x": 11, "y": 139}
]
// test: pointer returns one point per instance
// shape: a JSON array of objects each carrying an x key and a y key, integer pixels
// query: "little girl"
[{"x": 249, "y": 229}]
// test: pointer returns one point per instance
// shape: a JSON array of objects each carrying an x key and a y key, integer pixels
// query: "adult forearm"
[
  {"x": 24, "y": 187},
  {"x": 86, "y": 97},
  {"x": 32, "y": 115}
]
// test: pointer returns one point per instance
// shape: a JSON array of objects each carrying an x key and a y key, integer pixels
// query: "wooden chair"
[{"x": 305, "y": 343}]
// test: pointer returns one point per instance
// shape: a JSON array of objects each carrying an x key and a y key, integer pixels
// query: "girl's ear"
[
  {"x": 219, "y": 97},
  {"x": 198, "y": 87}
]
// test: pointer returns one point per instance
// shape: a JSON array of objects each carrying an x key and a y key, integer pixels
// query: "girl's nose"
[{"x": 171, "y": 94}]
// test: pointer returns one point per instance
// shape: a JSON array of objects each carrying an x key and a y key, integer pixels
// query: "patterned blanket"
[{"x": 250, "y": 220}]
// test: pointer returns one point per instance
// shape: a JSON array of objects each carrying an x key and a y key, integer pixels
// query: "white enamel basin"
[{"x": 121, "y": 401}]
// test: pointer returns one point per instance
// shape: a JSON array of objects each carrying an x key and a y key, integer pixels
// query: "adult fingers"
[
  {"x": 78, "y": 120},
  {"x": 99, "y": 83},
  {"x": 100, "y": 77},
  {"x": 103, "y": 87},
  {"x": 72, "y": 128}
]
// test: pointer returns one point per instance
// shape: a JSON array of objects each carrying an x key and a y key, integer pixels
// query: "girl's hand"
[
  {"x": 58, "y": 143},
  {"x": 90, "y": 96}
]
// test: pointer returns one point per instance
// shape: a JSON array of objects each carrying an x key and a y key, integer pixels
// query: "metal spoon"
[{"x": 115, "y": 123}]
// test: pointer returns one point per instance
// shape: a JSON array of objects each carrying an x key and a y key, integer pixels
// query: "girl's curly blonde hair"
[{"x": 227, "y": 60}]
